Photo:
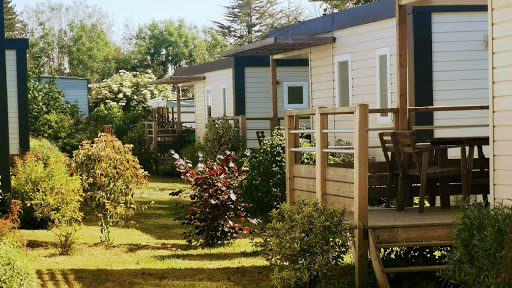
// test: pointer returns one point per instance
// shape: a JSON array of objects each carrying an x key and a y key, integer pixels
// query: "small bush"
[
  {"x": 310, "y": 157},
  {"x": 482, "y": 247},
  {"x": 191, "y": 152},
  {"x": 264, "y": 186},
  {"x": 10, "y": 223},
  {"x": 142, "y": 148},
  {"x": 215, "y": 204},
  {"x": 15, "y": 270},
  {"x": 222, "y": 136},
  {"x": 110, "y": 174},
  {"x": 42, "y": 181},
  {"x": 305, "y": 243}
]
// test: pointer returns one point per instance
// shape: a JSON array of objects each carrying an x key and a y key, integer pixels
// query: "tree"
[
  {"x": 91, "y": 53},
  {"x": 128, "y": 90},
  {"x": 15, "y": 27},
  {"x": 209, "y": 45},
  {"x": 247, "y": 21},
  {"x": 53, "y": 118},
  {"x": 333, "y": 6},
  {"x": 292, "y": 14},
  {"x": 164, "y": 46}
]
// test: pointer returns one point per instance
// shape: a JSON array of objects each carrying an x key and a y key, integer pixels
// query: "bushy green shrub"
[
  {"x": 264, "y": 186},
  {"x": 42, "y": 181},
  {"x": 305, "y": 242},
  {"x": 10, "y": 222},
  {"x": 110, "y": 174},
  {"x": 310, "y": 157},
  {"x": 15, "y": 269},
  {"x": 215, "y": 204},
  {"x": 142, "y": 147},
  {"x": 482, "y": 247},
  {"x": 222, "y": 136},
  {"x": 191, "y": 152}
]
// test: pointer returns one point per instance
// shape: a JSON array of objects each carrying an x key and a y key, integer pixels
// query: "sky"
[{"x": 198, "y": 12}]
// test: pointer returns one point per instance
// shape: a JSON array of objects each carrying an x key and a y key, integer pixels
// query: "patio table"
[{"x": 470, "y": 142}]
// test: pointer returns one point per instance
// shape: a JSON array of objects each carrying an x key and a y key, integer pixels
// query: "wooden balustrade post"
[
  {"x": 290, "y": 142},
  {"x": 178, "y": 108},
  {"x": 361, "y": 193},
  {"x": 321, "y": 124},
  {"x": 243, "y": 129}
]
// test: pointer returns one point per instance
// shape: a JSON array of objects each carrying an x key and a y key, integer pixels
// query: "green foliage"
[
  {"x": 90, "y": 52},
  {"x": 209, "y": 46},
  {"x": 247, "y": 21},
  {"x": 160, "y": 45},
  {"x": 142, "y": 147},
  {"x": 104, "y": 115},
  {"x": 305, "y": 243},
  {"x": 214, "y": 201},
  {"x": 52, "y": 118},
  {"x": 128, "y": 90},
  {"x": 42, "y": 181},
  {"x": 482, "y": 247},
  {"x": 264, "y": 186},
  {"x": 15, "y": 269},
  {"x": 14, "y": 26},
  {"x": 110, "y": 174},
  {"x": 333, "y": 6},
  {"x": 222, "y": 136},
  {"x": 310, "y": 157},
  {"x": 9, "y": 223},
  {"x": 191, "y": 152}
]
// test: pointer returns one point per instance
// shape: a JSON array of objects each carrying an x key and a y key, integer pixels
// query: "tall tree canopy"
[
  {"x": 15, "y": 27},
  {"x": 164, "y": 46},
  {"x": 247, "y": 21},
  {"x": 332, "y": 6}
]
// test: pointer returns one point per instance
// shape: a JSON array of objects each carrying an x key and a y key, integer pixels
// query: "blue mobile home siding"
[{"x": 75, "y": 89}]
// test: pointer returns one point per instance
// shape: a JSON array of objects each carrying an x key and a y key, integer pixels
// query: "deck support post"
[
  {"x": 321, "y": 157},
  {"x": 401, "y": 38},
  {"x": 243, "y": 128},
  {"x": 273, "y": 74},
  {"x": 361, "y": 193},
  {"x": 5, "y": 172},
  {"x": 178, "y": 107},
  {"x": 291, "y": 141}
]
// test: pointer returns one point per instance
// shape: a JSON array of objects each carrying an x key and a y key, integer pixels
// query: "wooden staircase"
[{"x": 405, "y": 236}]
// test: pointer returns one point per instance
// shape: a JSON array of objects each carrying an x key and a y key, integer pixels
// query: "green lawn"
[{"x": 148, "y": 252}]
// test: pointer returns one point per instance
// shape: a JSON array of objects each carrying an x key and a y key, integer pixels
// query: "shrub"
[
  {"x": 222, "y": 136},
  {"x": 310, "y": 157},
  {"x": 42, "y": 180},
  {"x": 15, "y": 270},
  {"x": 191, "y": 152},
  {"x": 142, "y": 147},
  {"x": 214, "y": 202},
  {"x": 264, "y": 186},
  {"x": 110, "y": 174},
  {"x": 10, "y": 223},
  {"x": 305, "y": 242},
  {"x": 482, "y": 245}
]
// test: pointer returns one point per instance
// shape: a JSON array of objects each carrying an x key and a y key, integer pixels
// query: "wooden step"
[
  {"x": 415, "y": 269},
  {"x": 415, "y": 244}
]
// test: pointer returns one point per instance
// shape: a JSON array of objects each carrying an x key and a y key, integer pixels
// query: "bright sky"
[{"x": 199, "y": 12}]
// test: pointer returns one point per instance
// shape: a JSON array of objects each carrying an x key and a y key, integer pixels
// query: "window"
[
  {"x": 208, "y": 91},
  {"x": 343, "y": 80},
  {"x": 296, "y": 95},
  {"x": 224, "y": 93},
  {"x": 383, "y": 83}
]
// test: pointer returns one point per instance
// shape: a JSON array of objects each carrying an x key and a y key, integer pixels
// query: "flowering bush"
[
  {"x": 215, "y": 204},
  {"x": 110, "y": 174}
]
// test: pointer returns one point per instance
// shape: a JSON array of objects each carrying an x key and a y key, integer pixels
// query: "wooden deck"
[{"x": 389, "y": 217}]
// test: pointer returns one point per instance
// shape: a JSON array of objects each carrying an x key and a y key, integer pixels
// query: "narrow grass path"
[{"x": 148, "y": 251}]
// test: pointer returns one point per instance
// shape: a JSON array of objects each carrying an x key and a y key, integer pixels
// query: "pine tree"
[
  {"x": 14, "y": 26},
  {"x": 334, "y": 6},
  {"x": 247, "y": 21}
]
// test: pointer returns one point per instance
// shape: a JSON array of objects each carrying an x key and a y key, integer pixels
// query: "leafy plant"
[
  {"x": 10, "y": 223},
  {"x": 142, "y": 147},
  {"x": 110, "y": 174},
  {"x": 264, "y": 186},
  {"x": 482, "y": 246},
  {"x": 15, "y": 270},
  {"x": 310, "y": 157},
  {"x": 42, "y": 180},
  {"x": 53, "y": 118},
  {"x": 215, "y": 204},
  {"x": 191, "y": 152},
  {"x": 305, "y": 242},
  {"x": 222, "y": 136}
]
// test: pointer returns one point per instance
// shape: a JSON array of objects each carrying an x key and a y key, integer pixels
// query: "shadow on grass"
[
  {"x": 132, "y": 248},
  {"x": 208, "y": 256},
  {"x": 254, "y": 276},
  {"x": 35, "y": 244}
]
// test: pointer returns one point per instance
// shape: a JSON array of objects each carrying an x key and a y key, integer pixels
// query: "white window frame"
[
  {"x": 224, "y": 101},
  {"x": 381, "y": 52},
  {"x": 305, "y": 95},
  {"x": 337, "y": 59},
  {"x": 207, "y": 100}
]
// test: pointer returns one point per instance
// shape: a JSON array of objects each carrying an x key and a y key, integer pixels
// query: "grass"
[{"x": 148, "y": 252}]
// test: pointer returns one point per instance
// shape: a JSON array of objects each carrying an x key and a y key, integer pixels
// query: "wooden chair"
[
  {"x": 394, "y": 174},
  {"x": 405, "y": 148}
]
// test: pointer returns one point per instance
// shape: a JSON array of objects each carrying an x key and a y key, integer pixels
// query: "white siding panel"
[
  {"x": 460, "y": 70},
  {"x": 199, "y": 109},
  {"x": 12, "y": 102}
]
